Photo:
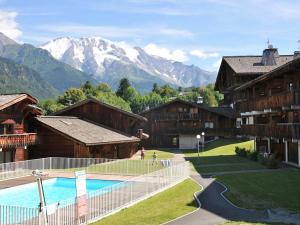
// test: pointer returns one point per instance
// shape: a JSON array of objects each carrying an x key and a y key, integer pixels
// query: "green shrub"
[
  {"x": 272, "y": 162},
  {"x": 240, "y": 151},
  {"x": 252, "y": 155}
]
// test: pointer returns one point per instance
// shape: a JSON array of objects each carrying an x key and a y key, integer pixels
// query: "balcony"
[
  {"x": 279, "y": 130},
  {"x": 177, "y": 116},
  {"x": 283, "y": 99},
  {"x": 194, "y": 130},
  {"x": 17, "y": 140}
]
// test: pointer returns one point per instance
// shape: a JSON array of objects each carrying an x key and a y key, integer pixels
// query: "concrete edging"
[{"x": 197, "y": 200}]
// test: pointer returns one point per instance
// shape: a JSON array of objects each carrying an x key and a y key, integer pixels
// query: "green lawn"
[
  {"x": 249, "y": 223},
  {"x": 125, "y": 167},
  {"x": 161, "y": 154},
  {"x": 276, "y": 189},
  {"x": 219, "y": 156},
  {"x": 158, "y": 209}
]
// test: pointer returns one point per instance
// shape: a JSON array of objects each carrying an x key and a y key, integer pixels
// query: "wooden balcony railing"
[
  {"x": 177, "y": 116},
  {"x": 279, "y": 130},
  {"x": 280, "y": 100},
  {"x": 17, "y": 140}
]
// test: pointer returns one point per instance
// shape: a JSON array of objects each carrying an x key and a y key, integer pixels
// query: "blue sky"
[{"x": 196, "y": 32}]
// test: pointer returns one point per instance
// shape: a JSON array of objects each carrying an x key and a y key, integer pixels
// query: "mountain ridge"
[{"x": 96, "y": 55}]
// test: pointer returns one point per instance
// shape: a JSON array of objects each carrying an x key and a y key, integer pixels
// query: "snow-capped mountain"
[{"x": 110, "y": 61}]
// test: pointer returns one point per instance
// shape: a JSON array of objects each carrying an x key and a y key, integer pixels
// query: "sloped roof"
[
  {"x": 83, "y": 131},
  {"x": 224, "y": 111},
  {"x": 252, "y": 64},
  {"x": 7, "y": 100},
  {"x": 270, "y": 74},
  {"x": 100, "y": 103}
]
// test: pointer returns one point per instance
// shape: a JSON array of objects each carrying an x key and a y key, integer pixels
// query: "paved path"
[{"x": 214, "y": 208}]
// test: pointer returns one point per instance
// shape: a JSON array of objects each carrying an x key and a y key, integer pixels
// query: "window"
[
  {"x": 244, "y": 120},
  {"x": 250, "y": 120},
  {"x": 238, "y": 122},
  {"x": 174, "y": 141},
  {"x": 209, "y": 125}
]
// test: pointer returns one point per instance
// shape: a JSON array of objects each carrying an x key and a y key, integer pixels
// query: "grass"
[
  {"x": 161, "y": 154},
  {"x": 249, "y": 223},
  {"x": 126, "y": 167},
  {"x": 219, "y": 156},
  {"x": 276, "y": 189},
  {"x": 158, "y": 209}
]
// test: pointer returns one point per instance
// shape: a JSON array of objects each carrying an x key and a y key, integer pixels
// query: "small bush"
[
  {"x": 272, "y": 162},
  {"x": 240, "y": 151},
  {"x": 252, "y": 155},
  {"x": 269, "y": 161}
]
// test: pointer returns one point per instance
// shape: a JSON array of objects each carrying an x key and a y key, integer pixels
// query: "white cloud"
[
  {"x": 114, "y": 31},
  {"x": 217, "y": 63},
  {"x": 176, "y": 55},
  {"x": 8, "y": 24},
  {"x": 203, "y": 54}
]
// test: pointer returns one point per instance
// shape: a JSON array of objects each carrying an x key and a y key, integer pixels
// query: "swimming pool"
[{"x": 56, "y": 190}]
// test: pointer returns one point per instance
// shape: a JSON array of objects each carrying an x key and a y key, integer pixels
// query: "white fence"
[{"x": 149, "y": 179}]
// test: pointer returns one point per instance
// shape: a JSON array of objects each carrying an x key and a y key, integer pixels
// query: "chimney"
[
  {"x": 296, "y": 54},
  {"x": 269, "y": 56}
]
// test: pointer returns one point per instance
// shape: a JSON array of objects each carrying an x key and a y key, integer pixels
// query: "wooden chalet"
[
  {"x": 237, "y": 70},
  {"x": 268, "y": 109},
  {"x": 89, "y": 128},
  {"x": 16, "y": 133},
  {"x": 176, "y": 124},
  {"x": 101, "y": 113},
  {"x": 64, "y": 136}
]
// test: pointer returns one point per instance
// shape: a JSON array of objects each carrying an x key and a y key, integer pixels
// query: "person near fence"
[
  {"x": 142, "y": 153},
  {"x": 154, "y": 158}
]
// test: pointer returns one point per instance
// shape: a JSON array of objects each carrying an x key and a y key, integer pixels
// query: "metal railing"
[{"x": 148, "y": 179}]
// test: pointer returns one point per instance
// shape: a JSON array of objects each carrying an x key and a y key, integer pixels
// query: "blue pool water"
[{"x": 56, "y": 190}]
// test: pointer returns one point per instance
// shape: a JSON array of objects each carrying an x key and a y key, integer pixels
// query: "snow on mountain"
[{"x": 107, "y": 61}]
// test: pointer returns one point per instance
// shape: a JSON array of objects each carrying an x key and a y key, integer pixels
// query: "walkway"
[{"x": 214, "y": 208}]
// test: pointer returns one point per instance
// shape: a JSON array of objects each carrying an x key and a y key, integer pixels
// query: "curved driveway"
[{"x": 215, "y": 209}]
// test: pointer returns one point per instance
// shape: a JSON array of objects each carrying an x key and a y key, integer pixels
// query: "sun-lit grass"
[
  {"x": 219, "y": 156},
  {"x": 158, "y": 209},
  {"x": 161, "y": 154},
  {"x": 263, "y": 190},
  {"x": 129, "y": 167},
  {"x": 249, "y": 223}
]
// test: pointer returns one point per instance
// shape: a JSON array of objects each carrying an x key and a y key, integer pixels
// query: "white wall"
[{"x": 187, "y": 142}]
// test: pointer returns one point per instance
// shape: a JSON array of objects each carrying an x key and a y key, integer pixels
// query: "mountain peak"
[
  {"x": 4, "y": 40},
  {"x": 110, "y": 61}
]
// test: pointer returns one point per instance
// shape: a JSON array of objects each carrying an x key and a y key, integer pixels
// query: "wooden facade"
[
  {"x": 16, "y": 133},
  {"x": 55, "y": 143},
  {"x": 101, "y": 113},
  {"x": 268, "y": 109},
  {"x": 176, "y": 124}
]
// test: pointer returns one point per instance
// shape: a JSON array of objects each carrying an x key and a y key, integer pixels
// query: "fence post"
[{"x": 50, "y": 162}]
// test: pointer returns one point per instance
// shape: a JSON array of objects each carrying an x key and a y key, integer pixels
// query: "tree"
[
  {"x": 71, "y": 96},
  {"x": 167, "y": 91},
  {"x": 124, "y": 84},
  {"x": 88, "y": 89},
  {"x": 50, "y": 106},
  {"x": 114, "y": 100},
  {"x": 104, "y": 87},
  {"x": 155, "y": 88},
  {"x": 130, "y": 94}
]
